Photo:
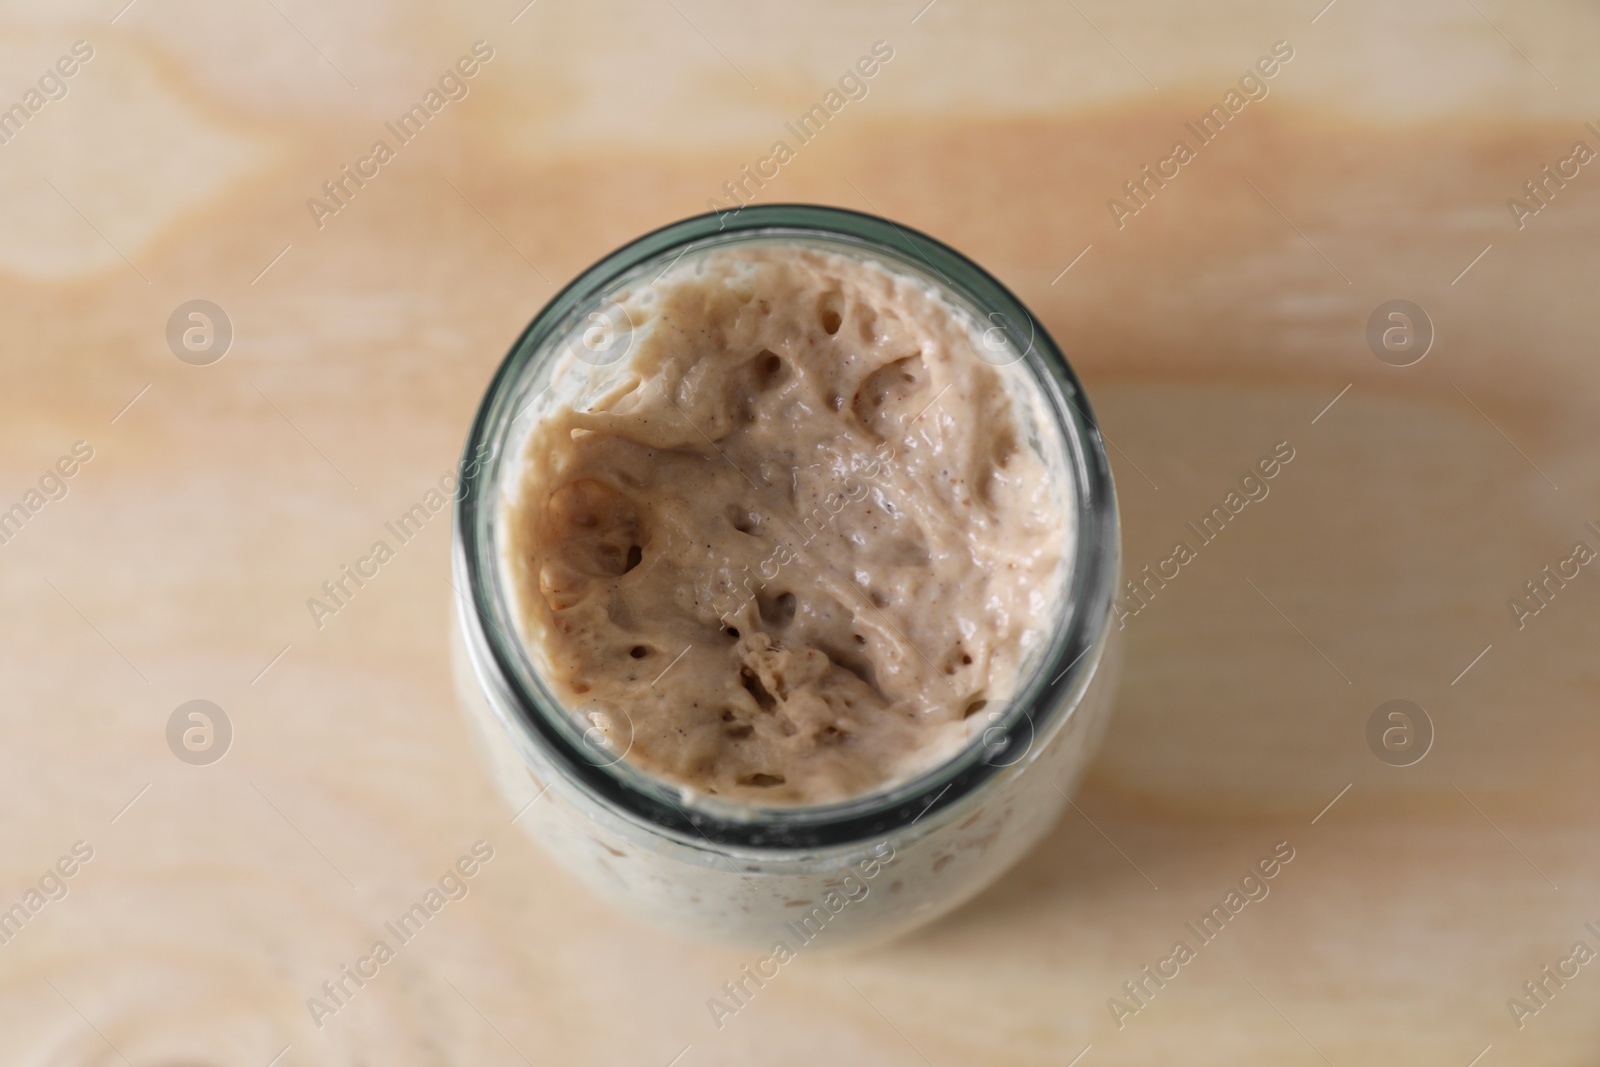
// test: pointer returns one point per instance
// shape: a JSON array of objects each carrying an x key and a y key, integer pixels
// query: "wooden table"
[{"x": 1226, "y": 314}]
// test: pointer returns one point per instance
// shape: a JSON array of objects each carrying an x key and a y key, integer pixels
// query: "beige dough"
[{"x": 796, "y": 544}]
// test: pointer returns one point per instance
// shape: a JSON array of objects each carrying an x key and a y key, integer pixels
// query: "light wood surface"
[{"x": 1223, "y": 318}]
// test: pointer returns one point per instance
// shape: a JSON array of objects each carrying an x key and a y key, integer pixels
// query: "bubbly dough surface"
[{"x": 790, "y": 548}]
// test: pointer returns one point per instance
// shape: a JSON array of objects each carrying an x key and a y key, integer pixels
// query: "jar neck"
[{"x": 537, "y": 718}]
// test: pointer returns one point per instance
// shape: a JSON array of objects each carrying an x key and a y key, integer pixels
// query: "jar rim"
[{"x": 1042, "y": 704}]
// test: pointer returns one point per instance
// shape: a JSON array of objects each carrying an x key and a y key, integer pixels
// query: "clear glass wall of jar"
[{"x": 856, "y": 871}]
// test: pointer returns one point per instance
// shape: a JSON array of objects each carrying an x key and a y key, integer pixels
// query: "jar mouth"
[{"x": 1042, "y": 702}]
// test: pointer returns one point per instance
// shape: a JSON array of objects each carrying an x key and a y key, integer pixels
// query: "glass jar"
[{"x": 863, "y": 869}]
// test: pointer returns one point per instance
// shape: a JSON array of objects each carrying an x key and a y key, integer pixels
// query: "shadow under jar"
[{"x": 844, "y": 869}]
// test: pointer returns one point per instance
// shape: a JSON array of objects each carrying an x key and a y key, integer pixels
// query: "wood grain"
[{"x": 1222, "y": 319}]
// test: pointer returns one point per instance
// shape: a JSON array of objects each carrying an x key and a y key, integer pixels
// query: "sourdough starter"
[{"x": 790, "y": 547}]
